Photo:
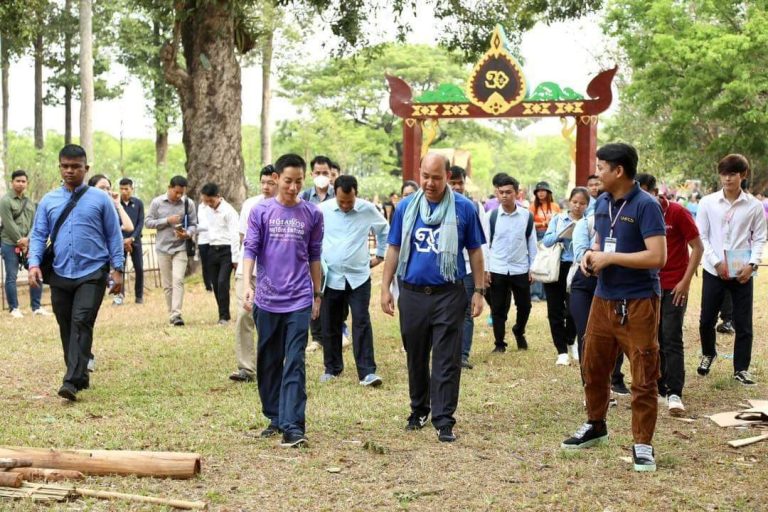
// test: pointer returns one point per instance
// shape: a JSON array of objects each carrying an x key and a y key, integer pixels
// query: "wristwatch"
[
  {"x": 318, "y": 295},
  {"x": 481, "y": 291},
  {"x": 754, "y": 266}
]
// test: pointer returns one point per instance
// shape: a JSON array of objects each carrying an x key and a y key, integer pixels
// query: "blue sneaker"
[
  {"x": 344, "y": 330},
  {"x": 490, "y": 320},
  {"x": 372, "y": 380}
]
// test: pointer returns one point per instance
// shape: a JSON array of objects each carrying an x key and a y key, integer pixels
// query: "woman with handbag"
[
  {"x": 543, "y": 208},
  {"x": 560, "y": 231}
]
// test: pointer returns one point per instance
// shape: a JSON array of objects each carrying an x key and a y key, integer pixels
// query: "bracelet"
[
  {"x": 318, "y": 295},
  {"x": 481, "y": 291}
]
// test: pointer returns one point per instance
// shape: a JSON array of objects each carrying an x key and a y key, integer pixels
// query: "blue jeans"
[
  {"x": 11, "y": 262},
  {"x": 469, "y": 322},
  {"x": 280, "y": 367}
]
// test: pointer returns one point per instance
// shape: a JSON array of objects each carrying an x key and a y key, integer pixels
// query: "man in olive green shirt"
[{"x": 16, "y": 214}]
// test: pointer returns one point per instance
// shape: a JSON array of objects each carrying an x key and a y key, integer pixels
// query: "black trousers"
[
  {"x": 560, "y": 320},
  {"x": 220, "y": 273},
  {"x": 672, "y": 360},
  {"x": 582, "y": 292},
  {"x": 503, "y": 287},
  {"x": 726, "y": 308},
  {"x": 76, "y": 304},
  {"x": 137, "y": 258},
  {"x": 207, "y": 278},
  {"x": 712, "y": 291},
  {"x": 433, "y": 324},
  {"x": 333, "y": 312}
]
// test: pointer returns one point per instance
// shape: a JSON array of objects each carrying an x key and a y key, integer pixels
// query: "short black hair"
[
  {"x": 646, "y": 181},
  {"x": 210, "y": 190},
  {"x": 291, "y": 160},
  {"x": 497, "y": 177},
  {"x": 733, "y": 163},
  {"x": 178, "y": 181},
  {"x": 267, "y": 170},
  {"x": 126, "y": 182},
  {"x": 334, "y": 165},
  {"x": 504, "y": 179},
  {"x": 346, "y": 183},
  {"x": 18, "y": 173},
  {"x": 320, "y": 159},
  {"x": 97, "y": 178},
  {"x": 458, "y": 172},
  {"x": 73, "y": 151},
  {"x": 593, "y": 177},
  {"x": 620, "y": 153},
  {"x": 409, "y": 183}
]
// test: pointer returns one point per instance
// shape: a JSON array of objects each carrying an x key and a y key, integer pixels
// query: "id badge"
[{"x": 610, "y": 245}]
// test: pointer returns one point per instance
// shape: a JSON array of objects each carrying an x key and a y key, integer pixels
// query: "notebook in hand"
[{"x": 735, "y": 260}]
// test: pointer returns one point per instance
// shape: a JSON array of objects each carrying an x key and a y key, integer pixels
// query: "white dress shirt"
[
  {"x": 202, "y": 224},
  {"x": 509, "y": 252},
  {"x": 221, "y": 227},
  {"x": 245, "y": 212},
  {"x": 725, "y": 226}
]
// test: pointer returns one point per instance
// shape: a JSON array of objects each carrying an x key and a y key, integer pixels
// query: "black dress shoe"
[
  {"x": 499, "y": 349},
  {"x": 68, "y": 392}
]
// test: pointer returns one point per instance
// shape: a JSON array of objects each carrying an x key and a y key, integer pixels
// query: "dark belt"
[{"x": 432, "y": 290}]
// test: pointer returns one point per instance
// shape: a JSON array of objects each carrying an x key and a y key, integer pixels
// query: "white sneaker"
[
  {"x": 675, "y": 404},
  {"x": 91, "y": 365},
  {"x": 41, "y": 312},
  {"x": 16, "y": 313},
  {"x": 562, "y": 360},
  {"x": 345, "y": 341},
  {"x": 574, "y": 350},
  {"x": 313, "y": 346}
]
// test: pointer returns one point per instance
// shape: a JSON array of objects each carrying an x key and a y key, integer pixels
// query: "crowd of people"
[{"x": 617, "y": 258}]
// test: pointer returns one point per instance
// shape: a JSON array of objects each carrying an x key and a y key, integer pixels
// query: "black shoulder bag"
[
  {"x": 190, "y": 243},
  {"x": 46, "y": 262}
]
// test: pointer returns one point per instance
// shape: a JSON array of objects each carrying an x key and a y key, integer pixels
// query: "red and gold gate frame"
[{"x": 497, "y": 89}]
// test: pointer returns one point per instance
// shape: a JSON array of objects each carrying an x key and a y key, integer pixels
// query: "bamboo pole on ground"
[
  {"x": 110, "y": 462},
  {"x": 10, "y": 479}
]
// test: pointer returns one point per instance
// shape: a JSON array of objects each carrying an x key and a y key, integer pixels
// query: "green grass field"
[{"x": 163, "y": 388}]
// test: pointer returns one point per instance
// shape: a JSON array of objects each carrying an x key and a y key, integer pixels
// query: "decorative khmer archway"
[{"x": 497, "y": 89}]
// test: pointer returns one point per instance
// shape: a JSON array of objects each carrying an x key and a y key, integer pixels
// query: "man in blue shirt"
[
  {"x": 430, "y": 229},
  {"x": 348, "y": 220},
  {"x": 629, "y": 249},
  {"x": 89, "y": 241}
]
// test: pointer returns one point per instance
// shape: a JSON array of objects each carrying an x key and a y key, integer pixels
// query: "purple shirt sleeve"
[
  {"x": 252, "y": 243},
  {"x": 316, "y": 236}
]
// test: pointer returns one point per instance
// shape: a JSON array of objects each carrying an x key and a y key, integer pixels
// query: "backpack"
[{"x": 495, "y": 217}]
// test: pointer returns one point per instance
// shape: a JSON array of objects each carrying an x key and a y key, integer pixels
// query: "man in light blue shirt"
[
  {"x": 348, "y": 262},
  {"x": 595, "y": 187},
  {"x": 88, "y": 241},
  {"x": 511, "y": 249}
]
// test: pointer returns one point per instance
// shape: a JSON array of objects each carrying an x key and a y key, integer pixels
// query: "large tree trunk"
[
  {"x": 38, "y": 55},
  {"x": 5, "y": 64},
  {"x": 86, "y": 77},
  {"x": 266, "y": 98},
  {"x": 68, "y": 82},
  {"x": 210, "y": 97}
]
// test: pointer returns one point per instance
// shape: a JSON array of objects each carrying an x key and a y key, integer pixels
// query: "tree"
[
  {"x": 139, "y": 37},
  {"x": 86, "y": 77},
  {"x": 353, "y": 88},
  {"x": 697, "y": 79},
  {"x": 207, "y": 77}
]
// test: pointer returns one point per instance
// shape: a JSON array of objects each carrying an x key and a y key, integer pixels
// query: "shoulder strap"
[
  {"x": 21, "y": 210},
  {"x": 529, "y": 227},
  {"x": 67, "y": 210},
  {"x": 494, "y": 218}
]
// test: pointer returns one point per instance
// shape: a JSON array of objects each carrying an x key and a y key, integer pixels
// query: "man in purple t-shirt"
[{"x": 285, "y": 237}]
